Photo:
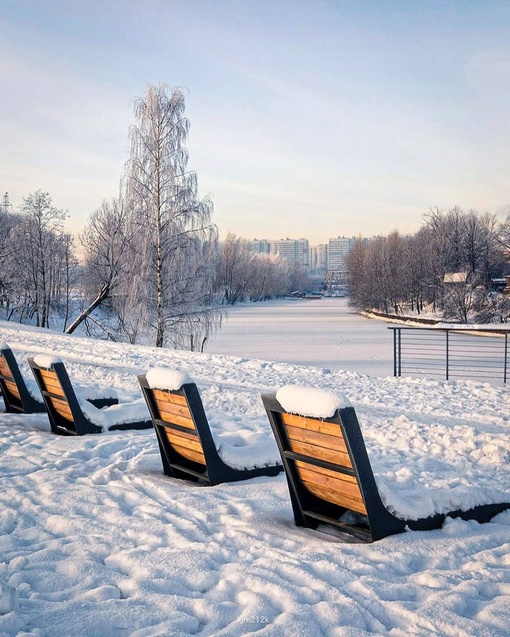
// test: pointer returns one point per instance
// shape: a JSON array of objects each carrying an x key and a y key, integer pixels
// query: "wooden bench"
[
  {"x": 72, "y": 415},
  {"x": 17, "y": 398},
  {"x": 185, "y": 441},
  {"x": 331, "y": 480}
]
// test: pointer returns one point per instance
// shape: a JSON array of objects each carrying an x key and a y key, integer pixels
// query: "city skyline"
[{"x": 323, "y": 117}]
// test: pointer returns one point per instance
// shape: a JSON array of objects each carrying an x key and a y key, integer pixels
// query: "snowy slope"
[{"x": 95, "y": 541}]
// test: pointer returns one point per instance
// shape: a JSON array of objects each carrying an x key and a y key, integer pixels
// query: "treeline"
[
  {"x": 447, "y": 267},
  {"x": 38, "y": 266},
  {"x": 150, "y": 266},
  {"x": 243, "y": 275},
  {"x": 43, "y": 282}
]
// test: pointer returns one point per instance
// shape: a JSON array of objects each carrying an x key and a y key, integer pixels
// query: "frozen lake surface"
[{"x": 323, "y": 333}]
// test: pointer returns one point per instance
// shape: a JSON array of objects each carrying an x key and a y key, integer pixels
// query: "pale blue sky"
[{"x": 308, "y": 118}]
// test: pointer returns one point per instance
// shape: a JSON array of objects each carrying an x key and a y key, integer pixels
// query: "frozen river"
[{"x": 324, "y": 333}]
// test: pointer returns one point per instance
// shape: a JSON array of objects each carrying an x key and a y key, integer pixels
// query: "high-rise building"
[
  {"x": 260, "y": 246},
  {"x": 294, "y": 250},
  {"x": 338, "y": 249},
  {"x": 318, "y": 263}
]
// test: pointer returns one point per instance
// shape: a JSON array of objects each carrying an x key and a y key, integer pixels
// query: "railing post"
[
  {"x": 394, "y": 352},
  {"x": 397, "y": 351},
  {"x": 506, "y": 358},
  {"x": 447, "y": 354}
]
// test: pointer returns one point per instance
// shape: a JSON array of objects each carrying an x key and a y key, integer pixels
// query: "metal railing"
[{"x": 451, "y": 353}]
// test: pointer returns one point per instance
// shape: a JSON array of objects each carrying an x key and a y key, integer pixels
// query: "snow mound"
[
  {"x": 121, "y": 414},
  {"x": 310, "y": 401},
  {"x": 8, "y": 599},
  {"x": 165, "y": 378},
  {"x": 46, "y": 360}
]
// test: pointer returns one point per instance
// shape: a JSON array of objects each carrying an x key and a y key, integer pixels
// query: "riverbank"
[{"x": 399, "y": 318}]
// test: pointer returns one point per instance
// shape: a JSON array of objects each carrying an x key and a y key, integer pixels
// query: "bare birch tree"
[{"x": 176, "y": 240}]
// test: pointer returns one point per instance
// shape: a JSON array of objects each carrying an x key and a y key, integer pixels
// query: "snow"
[
  {"x": 86, "y": 391},
  {"x": 310, "y": 401},
  {"x": 123, "y": 413},
  {"x": 164, "y": 378},
  {"x": 324, "y": 333},
  {"x": 46, "y": 360},
  {"x": 95, "y": 540}
]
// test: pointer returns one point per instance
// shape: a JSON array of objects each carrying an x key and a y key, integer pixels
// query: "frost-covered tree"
[
  {"x": 7, "y": 222},
  {"x": 408, "y": 272},
  {"x": 176, "y": 241},
  {"x": 40, "y": 256},
  {"x": 242, "y": 274},
  {"x": 106, "y": 241}
]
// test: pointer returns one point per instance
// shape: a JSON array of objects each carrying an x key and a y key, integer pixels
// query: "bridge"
[{"x": 336, "y": 278}]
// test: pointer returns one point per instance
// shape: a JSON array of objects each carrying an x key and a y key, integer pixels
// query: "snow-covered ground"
[{"x": 96, "y": 542}]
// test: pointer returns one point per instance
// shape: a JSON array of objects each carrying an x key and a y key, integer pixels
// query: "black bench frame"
[
  {"x": 25, "y": 403},
  {"x": 311, "y": 510},
  {"x": 80, "y": 424},
  {"x": 175, "y": 465}
]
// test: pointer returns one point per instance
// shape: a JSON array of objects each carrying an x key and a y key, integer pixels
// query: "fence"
[{"x": 480, "y": 353}]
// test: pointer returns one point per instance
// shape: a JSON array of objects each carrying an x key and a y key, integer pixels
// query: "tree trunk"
[{"x": 103, "y": 294}]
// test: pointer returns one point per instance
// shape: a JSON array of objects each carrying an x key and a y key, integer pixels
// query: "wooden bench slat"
[
  {"x": 161, "y": 394},
  {"x": 54, "y": 389},
  {"x": 340, "y": 479},
  {"x": 5, "y": 370},
  {"x": 320, "y": 453},
  {"x": 178, "y": 420},
  {"x": 51, "y": 382},
  {"x": 13, "y": 388},
  {"x": 312, "y": 424},
  {"x": 62, "y": 408},
  {"x": 334, "y": 487},
  {"x": 172, "y": 408},
  {"x": 315, "y": 438},
  {"x": 337, "y": 498},
  {"x": 190, "y": 454},
  {"x": 191, "y": 435},
  {"x": 334, "y": 491},
  {"x": 175, "y": 439}
]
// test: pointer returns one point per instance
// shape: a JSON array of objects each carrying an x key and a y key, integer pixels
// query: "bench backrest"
[
  {"x": 177, "y": 426},
  {"x": 56, "y": 397},
  {"x": 316, "y": 440},
  {"x": 184, "y": 437},
  {"x": 64, "y": 412},
  {"x": 16, "y": 396},
  {"x": 329, "y": 473},
  {"x": 185, "y": 440}
]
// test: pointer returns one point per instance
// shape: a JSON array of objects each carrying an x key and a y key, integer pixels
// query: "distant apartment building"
[
  {"x": 294, "y": 250},
  {"x": 318, "y": 259},
  {"x": 338, "y": 249},
  {"x": 318, "y": 262},
  {"x": 260, "y": 246}
]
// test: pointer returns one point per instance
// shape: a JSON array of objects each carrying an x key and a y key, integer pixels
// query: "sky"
[{"x": 308, "y": 118}]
